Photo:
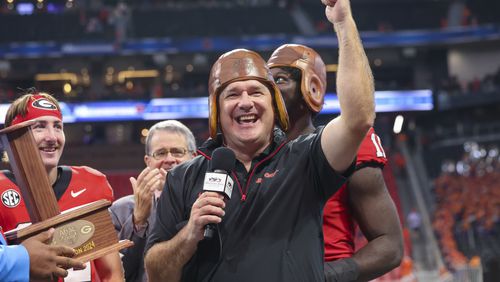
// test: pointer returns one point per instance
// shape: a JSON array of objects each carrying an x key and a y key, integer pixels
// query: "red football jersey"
[
  {"x": 338, "y": 225},
  {"x": 74, "y": 187}
]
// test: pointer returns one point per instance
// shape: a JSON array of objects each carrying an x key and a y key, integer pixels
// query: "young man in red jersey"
[
  {"x": 300, "y": 74},
  {"x": 73, "y": 186}
]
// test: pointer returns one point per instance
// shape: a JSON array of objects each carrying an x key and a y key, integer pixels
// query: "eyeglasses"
[{"x": 161, "y": 154}]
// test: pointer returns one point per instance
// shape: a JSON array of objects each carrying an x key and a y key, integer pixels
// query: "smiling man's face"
[
  {"x": 246, "y": 114},
  {"x": 50, "y": 139}
]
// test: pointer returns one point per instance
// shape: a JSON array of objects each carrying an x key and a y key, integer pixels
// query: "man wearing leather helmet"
[{"x": 270, "y": 229}]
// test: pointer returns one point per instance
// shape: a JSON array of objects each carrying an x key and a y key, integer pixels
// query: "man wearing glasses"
[{"x": 168, "y": 144}]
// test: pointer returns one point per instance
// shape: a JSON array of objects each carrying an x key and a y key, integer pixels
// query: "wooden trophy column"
[{"x": 88, "y": 229}]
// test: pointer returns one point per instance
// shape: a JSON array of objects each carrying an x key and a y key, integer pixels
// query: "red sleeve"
[
  {"x": 108, "y": 191},
  {"x": 102, "y": 182},
  {"x": 371, "y": 152}
]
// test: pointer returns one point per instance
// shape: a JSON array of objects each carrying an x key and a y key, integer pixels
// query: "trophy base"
[{"x": 88, "y": 229}]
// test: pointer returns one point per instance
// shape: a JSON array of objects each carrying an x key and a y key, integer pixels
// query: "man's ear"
[{"x": 146, "y": 160}]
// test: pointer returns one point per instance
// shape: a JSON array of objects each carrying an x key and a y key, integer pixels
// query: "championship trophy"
[{"x": 88, "y": 229}]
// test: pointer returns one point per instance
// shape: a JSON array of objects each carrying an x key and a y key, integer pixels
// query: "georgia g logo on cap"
[{"x": 43, "y": 104}]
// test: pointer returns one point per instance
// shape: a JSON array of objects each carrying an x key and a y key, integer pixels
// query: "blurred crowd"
[
  {"x": 488, "y": 84},
  {"x": 467, "y": 217},
  {"x": 118, "y": 21}
]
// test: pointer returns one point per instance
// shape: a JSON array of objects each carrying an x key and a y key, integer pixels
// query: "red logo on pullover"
[
  {"x": 266, "y": 175},
  {"x": 270, "y": 175}
]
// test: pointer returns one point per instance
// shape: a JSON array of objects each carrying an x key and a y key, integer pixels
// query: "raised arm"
[
  {"x": 164, "y": 261},
  {"x": 342, "y": 136}
]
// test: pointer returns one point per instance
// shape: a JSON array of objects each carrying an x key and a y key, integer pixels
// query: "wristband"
[{"x": 342, "y": 270}]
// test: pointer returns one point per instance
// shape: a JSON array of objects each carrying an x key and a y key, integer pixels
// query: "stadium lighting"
[
  {"x": 67, "y": 88},
  {"x": 57, "y": 77},
  {"x": 398, "y": 124},
  {"x": 123, "y": 75}
]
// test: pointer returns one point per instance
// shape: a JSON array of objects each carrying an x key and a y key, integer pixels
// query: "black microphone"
[{"x": 217, "y": 178}]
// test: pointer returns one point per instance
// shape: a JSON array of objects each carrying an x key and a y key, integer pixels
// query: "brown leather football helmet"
[
  {"x": 239, "y": 65},
  {"x": 313, "y": 84}
]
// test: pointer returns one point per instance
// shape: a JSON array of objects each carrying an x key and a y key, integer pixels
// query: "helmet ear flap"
[
  {"x": 313, "y": 91},
  {"x": 212, "y": 115},
  {"x": 314, "y": 87},
  {"x": 279, "y": 105}
]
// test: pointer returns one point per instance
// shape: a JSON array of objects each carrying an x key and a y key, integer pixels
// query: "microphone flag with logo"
[{"x": 217, "y": 178}]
